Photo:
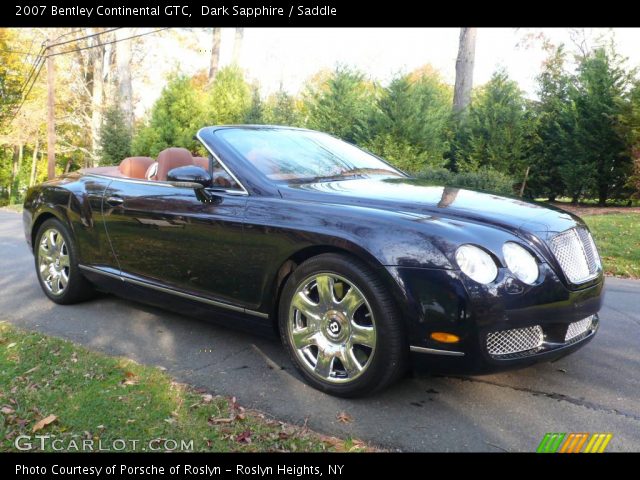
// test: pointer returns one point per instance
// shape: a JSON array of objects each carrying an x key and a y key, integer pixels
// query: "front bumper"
[{"x": 447, "y": 301}]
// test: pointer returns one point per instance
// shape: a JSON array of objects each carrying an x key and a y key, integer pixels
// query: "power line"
[
  {"x": 105, "y": 43},
  {"x": 82, "y": 38},
  {"x": 45, "y": 48}
]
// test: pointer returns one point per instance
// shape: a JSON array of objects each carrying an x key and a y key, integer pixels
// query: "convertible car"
[{"x": 361, "y": 269}]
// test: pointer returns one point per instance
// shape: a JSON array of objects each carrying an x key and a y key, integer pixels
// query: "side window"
[{"x": 222, "y": 178}]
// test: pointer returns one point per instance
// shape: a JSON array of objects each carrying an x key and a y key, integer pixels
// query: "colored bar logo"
[{"x": 574, "y": 443}]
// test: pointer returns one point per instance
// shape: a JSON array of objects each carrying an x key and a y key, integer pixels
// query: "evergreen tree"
[
  {"x": 255, "y": 115},
  {"x": 410, "y": 129},
  {"x": 115, "y": 137},
  {"x": 229, "y": 99},
  {"x": 553, "y": 140},
  {"x": 602, "y": 157},
  {"x": 342, "y": 106},
  {"x": 495, "y": 132},
  {"x": 175, "y": 118},
  {"x": 281, "y": 109}
]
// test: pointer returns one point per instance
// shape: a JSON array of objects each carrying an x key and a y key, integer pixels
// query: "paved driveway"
[{"x": 596, "y": 389}]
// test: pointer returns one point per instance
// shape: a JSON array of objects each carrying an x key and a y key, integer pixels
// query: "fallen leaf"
[
  {"x": 207, "y": 398},
  {"x": 7, "y": 410},
  {"x": 344, "y": 417},
  {"x": 129, "y": 374},
  {"x": 44, "y": 422},
  {"x": 11, "y": 345},
  {"x": 170, "y": 420},
  {"x": 213, "y": 421},
  {"x": 32, "y": 370},
  {"x": 244, "y": 437}
]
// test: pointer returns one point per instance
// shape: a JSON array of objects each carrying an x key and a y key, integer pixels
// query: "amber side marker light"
[{"x": 445, "y": 337}]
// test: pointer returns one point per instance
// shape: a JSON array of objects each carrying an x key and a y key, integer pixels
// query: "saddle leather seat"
[
  {"x": 134, "y": 167},
  {"x": 168, "y": 159},
  {"x": 201, "y": 162}
]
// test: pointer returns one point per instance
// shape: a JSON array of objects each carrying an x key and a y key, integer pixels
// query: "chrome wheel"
[
  {"x": 331, "y": 328},
  {"x": 53, "y": 261}
]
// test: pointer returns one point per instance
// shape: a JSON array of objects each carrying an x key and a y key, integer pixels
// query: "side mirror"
[{"x": 190, "y": 174}]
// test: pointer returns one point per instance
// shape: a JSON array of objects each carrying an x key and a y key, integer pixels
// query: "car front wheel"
[{"x": 341, "y": 327}]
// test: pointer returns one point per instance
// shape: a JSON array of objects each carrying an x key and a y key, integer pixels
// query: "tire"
[
  {"x": 341, "y": 327},
  {"x": 58, "y": 274}
]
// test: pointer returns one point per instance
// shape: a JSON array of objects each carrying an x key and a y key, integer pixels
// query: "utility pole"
[{"x": 51, "y": 118}]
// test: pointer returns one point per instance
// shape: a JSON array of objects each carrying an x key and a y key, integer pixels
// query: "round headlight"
[
  {"x": 521, "y": 263},
  {"x": 476, "y": 264}
]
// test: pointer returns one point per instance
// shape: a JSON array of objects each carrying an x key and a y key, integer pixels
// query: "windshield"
[{"x": 298, "y": 155}]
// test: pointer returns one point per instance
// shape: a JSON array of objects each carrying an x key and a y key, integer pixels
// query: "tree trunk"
[
  {"x": 97, "y": 93},
  {"x": 15, "y": 166},
  {"x": 123, "y": 75},
  {"x": 464, "y": 69},
  {"x": 34, "y": 164},
  {"x": 214, "y": 60},
  {"x": 237, "y": 45}
]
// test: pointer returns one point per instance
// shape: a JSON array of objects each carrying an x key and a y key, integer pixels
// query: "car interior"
[{"x": 146, "y": 168}]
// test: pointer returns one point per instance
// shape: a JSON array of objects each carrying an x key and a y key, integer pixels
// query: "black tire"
[
  {"x": 77, "y": 288},
  {"x": 388, "y": 359}
]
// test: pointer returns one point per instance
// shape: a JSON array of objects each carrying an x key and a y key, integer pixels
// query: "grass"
[
  {"x": 101, "y": 399},
  {"x": 618, "y": 238}
]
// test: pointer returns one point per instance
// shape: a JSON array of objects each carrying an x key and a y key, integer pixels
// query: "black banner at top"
[{"x": 277, "y": 13}]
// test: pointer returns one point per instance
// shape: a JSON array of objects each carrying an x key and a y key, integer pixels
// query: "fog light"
[{"x": 445, "y": 337}]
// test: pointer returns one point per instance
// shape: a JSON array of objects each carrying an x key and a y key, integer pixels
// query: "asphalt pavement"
[{"x": 596, "y": 389}]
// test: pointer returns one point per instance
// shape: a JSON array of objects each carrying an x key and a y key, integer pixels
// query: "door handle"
[{"x": 114, "y": 201}]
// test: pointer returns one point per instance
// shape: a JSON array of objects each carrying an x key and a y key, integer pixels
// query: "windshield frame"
[{"x": 393, "y": 170}]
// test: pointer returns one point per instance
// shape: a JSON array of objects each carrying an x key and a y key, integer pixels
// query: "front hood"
[{"x": 417, "y": 197}]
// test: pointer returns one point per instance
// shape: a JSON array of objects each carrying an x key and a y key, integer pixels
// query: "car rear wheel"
[
  {"x": 341, "y": 327},
  {"x": 57, "y": 265}
]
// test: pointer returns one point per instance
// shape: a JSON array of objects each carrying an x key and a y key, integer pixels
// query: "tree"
[
  {"x": 229, "y": 98},
  {"x": 281, "y": 109},
  {"x": 115, "y": 137},
  {"x": 599, "y": 96},
  {"x": 174, "y": 118},
  {"x": 11, "y": 77},
  {"x": 214, "y": 59},
  {"x": 464, "y": 69},
  {"x": 255, "y": 115},
  {"x": 497, "y": 128},
  {"x": 123, "y": 74},
  {"x": 237, "y": 45},
  {"x": 553, "y": 141},
  {"x": 414, "y": 111},
  {"x": 343, "y": 104}
]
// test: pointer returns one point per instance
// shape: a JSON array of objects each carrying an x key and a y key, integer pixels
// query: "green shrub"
[{"x": 484, "y": 180}]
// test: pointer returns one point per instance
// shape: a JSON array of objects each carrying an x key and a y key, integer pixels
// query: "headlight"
[
  {"x": 521, "y": 263},
  {"x": 476, "y": 264}
]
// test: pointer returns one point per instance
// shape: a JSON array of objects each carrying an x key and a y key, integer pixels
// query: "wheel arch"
[
  {"x": 40, "y": 219},
  {"x": 294, "y": 260}
]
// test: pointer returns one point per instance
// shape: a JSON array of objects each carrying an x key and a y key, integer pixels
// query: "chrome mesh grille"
[
  {"x": 576, "y": 253},
  {"x": 578, "y": 328},
  {"x": 507, "y": 342}
]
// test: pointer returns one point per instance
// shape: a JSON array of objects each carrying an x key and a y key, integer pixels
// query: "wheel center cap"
[{"x": 335, "y": 325}]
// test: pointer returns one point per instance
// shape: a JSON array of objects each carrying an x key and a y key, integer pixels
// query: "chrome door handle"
[{"x": 114, "y": 201}]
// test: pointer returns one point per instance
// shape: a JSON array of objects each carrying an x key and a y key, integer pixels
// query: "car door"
[{"x": 176, "y": 236}]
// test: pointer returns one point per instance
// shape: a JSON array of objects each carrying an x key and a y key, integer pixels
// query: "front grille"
[
  {"x": 577, "y": 254},
  {"x": 509, "y": 342},
  {"x": 576, "y": 329}
]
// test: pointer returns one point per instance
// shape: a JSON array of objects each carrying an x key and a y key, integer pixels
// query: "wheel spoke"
[
  {"x": 64, "y": 279},
  {"x": 351, "y": 302},
  {"x": 51, "y": 240},
  {"x": 362, "y": 335},
  {"x": 64, "y": 260},
  {"x": 309, "y": 309},
  {"x": 55, "y": 285},
  {"x": 59, "y": 242},
  {"x": 325, "y": 290},
  {"x": 350, "y": 362},
  {"x": 324, "y": 364},
  {"x": 303, "y": 337}
]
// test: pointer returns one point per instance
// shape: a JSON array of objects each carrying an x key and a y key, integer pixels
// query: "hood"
[{"x": 414, "y": 196}]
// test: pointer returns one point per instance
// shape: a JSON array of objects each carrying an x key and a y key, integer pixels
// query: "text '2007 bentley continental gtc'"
[{"x": 361, "y": 269}]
